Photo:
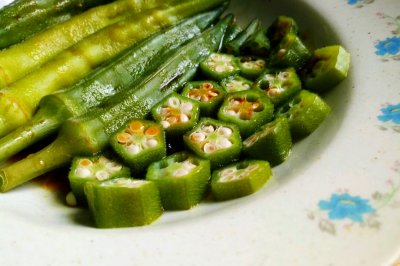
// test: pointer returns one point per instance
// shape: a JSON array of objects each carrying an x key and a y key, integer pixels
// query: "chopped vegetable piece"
[
  {"x": 181, "y": 178},
  {"x": 217, "y": 141},
  {"x": 239, "y": 179},
  {"x": 248, "y": 110},
  {"x": 231, "y": 33},
  {"x": 305, "y": 112},
  {"x": 177, "y": 114},
  {"x": 234, "y": 46},
  {"x": 281, "y": 26},
  {"x": 236, "y": 83},
  {"x": 123, "y": 202},
  {"x": 251, "y": 66},
  {"x": 272, "y": 142},
  {"x": 279, "y": 85},
  {"x": 258, "y": 44},
  {"x": 219, "y": 66},
  {"x": 139, "y": 143},
  {"x": 97, "y": 168},
  {"x": 327, "y": 68},
  {"x": 208, "y": 94}
]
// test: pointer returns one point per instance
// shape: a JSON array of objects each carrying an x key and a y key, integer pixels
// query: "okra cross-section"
[
  {"x": 215, "y": 140},
  {"x": 123, "y": 202},
  {"x": 182, "y": 179},
  {"x": 272, "y": 142},
  {"x": 247, "y": 109},
  {"x": 279, "y": 85},
  {"x": 236, "y": 83},
  {"x": 207, "y": 93},
  {"x": 239, "y": 179},
  {"x": 281, "y": 26},
  {"x": 139, "y": 143},
  {"x": 219, "y": 66},
  {"x": 251, "y": 66},
  {"x": 305, "y": 112},
  {"x": 176, "y": 113},
  {"x": 97, "y": 168},
  {"x": 258, "y": 44}
]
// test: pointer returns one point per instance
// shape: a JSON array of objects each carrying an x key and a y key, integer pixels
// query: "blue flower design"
[
  {"x": 352, "y": 2},
  {"x": 342, "y": 206},
  {"x": 389, "y": 46},
  {"x": 392, "y": 112}
]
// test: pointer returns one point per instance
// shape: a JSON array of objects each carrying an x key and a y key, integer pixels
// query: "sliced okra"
[
  {"x": 251, "y": 66},
  {"x": 219, "y": 66},
  {"x": 279, "y": 85},
  {"x": 232, "y": 32},
  {"x": 236, "y": 83},
  {"x": 281, "y": 26},
  {"x": 123, "y": 202},
  {"x": 258, "y": 44},
  {"x": 272, "y": 142},
  {"x": 248, "y": 110},
  {"x": 138, "y": 143},
  {"x": 305, "y": 112},
  {"x": 182, "y": 179},
  {"x": 208, "y": 94},
  {"x": 235, "y": 46},
  {"x": 327, "y": 68},
  {"x": 176, "y": 113},
  {"x": 96, "y": 168},
  {"x": 239, "y": 179},
  {"x": 215, "y": 140},
  {"x": 290, "y": 52}
]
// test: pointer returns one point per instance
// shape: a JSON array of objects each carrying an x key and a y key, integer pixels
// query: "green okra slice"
[
  {"x": 239, "y": 179},
  {"x": 305, "y": 112},
  {"x": 235, "y": 46},
  {"x": 236, "y": 83},
  {"x": 290, "y": 52},
  {"x": 279, "y": 85},
  {"x": 139, "y": 143},
  {"x": 123, "y": 202},
  {"x": 248, "y": 110},
  {"x": 258, "y": 44},
  {"x": 95, "y": 168},
  {"x": 231, "y": 33},
  {"x": 251, "y": 66},
  {"x": 219, "y": 66},
  {"x": 328, "y": 67},
  {"x": 272, "y": 142},
  {"x": 176, "y": 113},
  {"x": 182, "y": 179},
  {"x": 214, "y": 140},
  {"x": 207, "y": 93},
  {"x": 281, "y": 26}
]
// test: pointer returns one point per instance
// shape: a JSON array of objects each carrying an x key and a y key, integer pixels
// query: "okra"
[
  {"x": 305, "y": 112},
  {"x": 35, "y": 51},
  {"x": 236, "y": 83},
  {"x": 232, "y": 32},
  {"x": 123, "y": 202},
  {"x": 181, "y": 178},
  {"x": 219, "y": 66},
  {"x": 96, "y": 168},
  {"x": 248, "y": 110},
  {"x": 214, "y": 140},
  {"x": 19, "y": 101},
  {"x": 177, "y": 114},
  {"x": 139, "y": 143},
  {"x": 90, "y": 133},
  {"x": 280, "y": 27},
  {"x": 21, "y": 19},
  {"x": 272, "y": 142},
  {"x": 208, "y": 94},
  {"x": 239, "y": 179},
  {"x": 258, "y": 44},
  {"x": 328, "y": 67},
  {"x": 235, "y": 46},
  {"x": 290, "y": 52},
  {"x": 104, "y": 82},
  {"x": 279, "y": 85},
  {"x": 251, "y": 66}
]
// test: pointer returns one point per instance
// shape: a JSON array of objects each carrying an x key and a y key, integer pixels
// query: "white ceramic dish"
[{"x": 336, "y": 201}]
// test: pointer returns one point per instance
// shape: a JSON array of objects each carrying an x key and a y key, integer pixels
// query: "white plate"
[{"x": 336, "y": 201}]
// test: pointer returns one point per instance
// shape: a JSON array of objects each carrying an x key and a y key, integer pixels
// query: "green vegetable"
[
  {"x": 231, "y": 33},
  {"x": 19, "y": 101},
  {"x": 251, "y": 66},
  {"x": 235, "y": 46},
  {"x": 34, "y": 52},
  {"x": 236, "y": 83},
  {"x": 21, "y": 19},
  {"x": 239, "y": 179},
  {"x": 139, "y": 143},
  {"x": 248, "y": 110},
  {"x": 327, "y": 68},
  {"x": 123, "y": 202},
  {"x": 219, "y": 66},
  {"x": 214, "y": 140},
  {"x": 97, "y": 168},
  {"x": 103, "y": 82},
  {"x": 281, "y": 26},
  {"x": 181, "y": 178},
  {"x": 257, "y": 44},
  {"x": 90, "y": 133},
  {"x": 272, "y": 142},
  {"x": 208, "y": 94}
]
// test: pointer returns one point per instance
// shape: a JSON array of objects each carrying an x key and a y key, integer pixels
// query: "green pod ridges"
[{"x": 235, "y": 46}]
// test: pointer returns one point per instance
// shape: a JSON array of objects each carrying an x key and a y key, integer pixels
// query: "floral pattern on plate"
[
  {"x": 390, "y": 47},
  {"x": 359, "y": 3}
]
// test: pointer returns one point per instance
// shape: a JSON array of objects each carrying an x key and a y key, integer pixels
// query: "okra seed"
[
  {"x": 209, "y": 148},
  {"x": 181, "y": 172},
  {"x": 220, "y": 69},
  {"x": 187, "y": 107},
  {"x": 224, "y": 143},
  {"x": 114, "y": 167},
  {"x": 208, "y": 85},
  {"x": 208, "y": 129},
  {"x": 165, "y": 124},
  {"x": 133, "y": 149},
  {"x": 198, "y": 137},
  {"x": 83, "y": 172},
  {"x": 231, "y": 112},
  {"x": 151, "y": 131},
  {"x": 188, "y": 165},
  {"x": 136, "y": 126},
  {"x": 124, "y": 138},
  {"x": 224, "y": 131},
  {"x": 102, "y": 175},
  {"x": 174, "y": 102},
  {"x": 152, "y": 143},
  {"x": 85, "y": 163},
  {"x": 184, "y": 118}
]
